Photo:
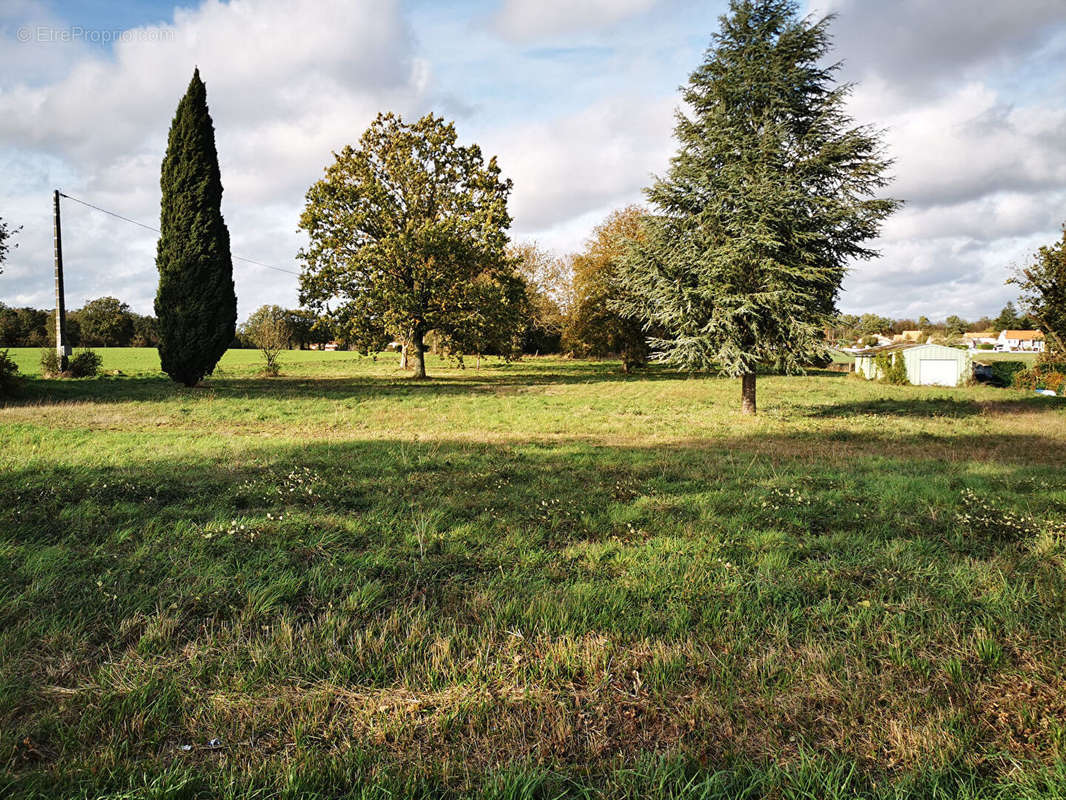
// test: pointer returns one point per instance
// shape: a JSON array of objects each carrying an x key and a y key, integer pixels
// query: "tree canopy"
[
  {"x": 955, "y": 325},
  {"x": 595, "y": 326},
  {"x": 1043, "y": 286},
  {"x": 548, "y": 282},
  {"x": 770, "y": 196},
  {"x": 269, "y": 328},
  {"x": 408, "y": 233},
  {"x": 107, "y": 322},
  {"x": 6, "y": 232},
  {"x": 1010, "y": 318},
  {"x": 872, "y": 324},
  {"x": 196, "y": 305}
]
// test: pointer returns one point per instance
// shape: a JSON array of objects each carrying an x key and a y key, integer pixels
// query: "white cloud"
[
  {"x": 979, "y": 144},
  {"x": 970, "y": 96},
  {"x": 563, "y": 168},
  {"x": 525, "y": 20},
  {"x": 928, "y": 44},
  {"x": 287, "y": 83},
  {"x": 971, "y": 143}
]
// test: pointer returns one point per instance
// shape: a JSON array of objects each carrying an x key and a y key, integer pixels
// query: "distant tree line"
[
  {"x": 103, "y": 322},
  {"x": 109, "y": 322},
  {"x": 853, "y": 327}
]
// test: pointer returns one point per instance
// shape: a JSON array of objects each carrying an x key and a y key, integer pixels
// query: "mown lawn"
[{"x": 539, "y": 579}]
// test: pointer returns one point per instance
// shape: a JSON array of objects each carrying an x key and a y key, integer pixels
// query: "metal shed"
[{"x": 927, "y": 364}]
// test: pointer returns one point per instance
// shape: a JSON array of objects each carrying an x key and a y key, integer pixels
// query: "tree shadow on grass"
[
  {"x": 231, "y": 577},
  {"x": 499, "y": 379},
  {"x": 931, "y": 407}
]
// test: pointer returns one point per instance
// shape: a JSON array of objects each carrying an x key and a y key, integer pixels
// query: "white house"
[
  {"x": 926, "y": 364},
  {"x": 1020, "y": 341},
  {"x": 975, "y": 338},
  {"x": 881, "y": 341}
]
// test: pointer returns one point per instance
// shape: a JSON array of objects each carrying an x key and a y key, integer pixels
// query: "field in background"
[
  {"x": 534, "y": 580},
  {"x": 991, "y": 355},
  {"x": 138, "y": 360}
]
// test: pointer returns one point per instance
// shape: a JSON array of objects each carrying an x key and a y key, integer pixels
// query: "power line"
[{"x": 156, "y": 230}]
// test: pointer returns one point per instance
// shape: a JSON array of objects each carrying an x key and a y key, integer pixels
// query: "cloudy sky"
[{"x": 576, "y": 98}]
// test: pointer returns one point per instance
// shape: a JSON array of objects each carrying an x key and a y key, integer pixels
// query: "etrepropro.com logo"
[{"x": 76, "y": 33}]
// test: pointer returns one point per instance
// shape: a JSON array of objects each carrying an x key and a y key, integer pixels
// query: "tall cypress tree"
[
  {"x": 771, "y": 194},
  {"x": 196, "y": 304}
]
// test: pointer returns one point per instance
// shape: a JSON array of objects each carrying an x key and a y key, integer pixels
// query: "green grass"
[
  {"x": 991, "y": 355},
  {"x": 540, "y": 579},
  {"x": 145, "y": 360}
]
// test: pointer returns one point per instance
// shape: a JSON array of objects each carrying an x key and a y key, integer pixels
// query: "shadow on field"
[
  {"x": 519, "y": 481},
  {"x": 928, "y": 407},
  {"x": 215, "y": 595},
  {"x": 497, "y": 379}
]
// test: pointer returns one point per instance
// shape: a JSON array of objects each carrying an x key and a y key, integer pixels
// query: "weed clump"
[
  {"x": 982, "y": 516},
  {"x": 85, "y": 364},
  {"x": 50, "y": 366}
]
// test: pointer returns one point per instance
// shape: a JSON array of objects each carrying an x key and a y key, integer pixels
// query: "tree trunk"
[
  {"x": 403, "y": 356},
  {"x": 419, "y": 349},
  {"x": 747, "y": 393}
]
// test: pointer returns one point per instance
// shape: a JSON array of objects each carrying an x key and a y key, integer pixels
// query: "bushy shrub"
[
  {"x": 50, "y": 366},
  {"x": 986, "y": 346},
  {"x": 10, "y": 380},
  {"x": 1043, "y": 375},
  {"x": 891, "y": 368},
  {"x": 85, "y": 364},
  {"x": 1003, "y": 371},
  {"x": 1056, "y": 382},
  {"x": 1049, "y": 363},
  {"x": 820, "y": 361},
  {"x": 1025, "y": 379}
]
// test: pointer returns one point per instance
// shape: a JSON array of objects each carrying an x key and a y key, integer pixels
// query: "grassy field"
[
  {"x": 145, "y": 361},
  {"x": 991, "y": 355},
  {"x": 540, "y": 579}
]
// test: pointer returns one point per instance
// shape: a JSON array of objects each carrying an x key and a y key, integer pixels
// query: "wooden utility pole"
[{"x": 62, "y": 349}]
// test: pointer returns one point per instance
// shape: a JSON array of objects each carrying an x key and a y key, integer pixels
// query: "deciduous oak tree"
[
  {"x": 405, "y": 232},
  {"x": 771, "y": 194},
  {"x": 106, "y": 322}
]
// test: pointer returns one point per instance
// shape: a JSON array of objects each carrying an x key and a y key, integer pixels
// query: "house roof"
[
  {"x": 978, "y": 334},
  {"x": 904, "y": 346},
  {"x": 1023, "y": 336},
  {"x": 885, "y": 348}
]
